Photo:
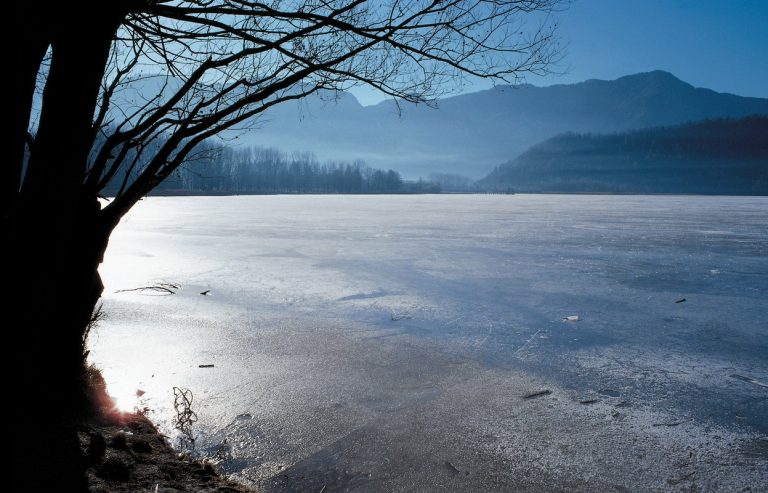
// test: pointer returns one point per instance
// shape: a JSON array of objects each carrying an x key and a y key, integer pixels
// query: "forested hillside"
[{"x": 709, "y": 157}]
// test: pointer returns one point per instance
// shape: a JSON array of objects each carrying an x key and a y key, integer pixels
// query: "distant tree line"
[
  {"x": 266, "y": 170},
  {"x": 261, "y": 170}
]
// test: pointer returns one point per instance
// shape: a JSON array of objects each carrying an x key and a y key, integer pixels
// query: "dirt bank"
[{"x": 126, "y": 453}]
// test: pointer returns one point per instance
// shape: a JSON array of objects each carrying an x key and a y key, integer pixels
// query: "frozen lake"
[{"x": 388, "y": 342}]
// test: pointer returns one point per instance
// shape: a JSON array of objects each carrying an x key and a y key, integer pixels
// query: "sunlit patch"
[{"x": 126, "y": 397}]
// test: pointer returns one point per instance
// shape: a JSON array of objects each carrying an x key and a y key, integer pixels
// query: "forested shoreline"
[
  {"x": 721, "y": 156},
  {"x": 217, "y": 170}
]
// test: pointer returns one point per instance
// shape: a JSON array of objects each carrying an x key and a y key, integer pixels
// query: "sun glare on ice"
[{"x": 125, "y": 396}]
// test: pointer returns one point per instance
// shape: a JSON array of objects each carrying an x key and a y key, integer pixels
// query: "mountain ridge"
[{"x": 471, "y": 133}]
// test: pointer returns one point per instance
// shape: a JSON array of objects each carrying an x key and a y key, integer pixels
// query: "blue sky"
[{"x": 718, "y": 44}]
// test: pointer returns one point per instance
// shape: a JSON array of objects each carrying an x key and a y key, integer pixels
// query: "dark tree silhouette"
[{"x": 140, "y": 83}]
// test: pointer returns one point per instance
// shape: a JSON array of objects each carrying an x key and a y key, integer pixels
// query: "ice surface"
[{"x": 386, "y": 341}]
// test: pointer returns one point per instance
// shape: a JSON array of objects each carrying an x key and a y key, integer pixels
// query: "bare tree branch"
[{"x": 181, "y": 72}]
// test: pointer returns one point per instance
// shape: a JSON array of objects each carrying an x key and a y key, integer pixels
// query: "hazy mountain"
[
  {"x": 711, "y": 157},
  {"x": 471, "y": 133}
]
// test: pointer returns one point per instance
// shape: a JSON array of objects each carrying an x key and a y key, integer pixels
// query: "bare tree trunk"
[
  {"x": 58, "y": 228},
  {"x": 28, "y": 55},
  {"x": 57, "y": 238}
]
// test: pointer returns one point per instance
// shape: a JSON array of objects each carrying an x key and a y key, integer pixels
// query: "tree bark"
[
  {"x": 58, "y": 228},
  {"x": 28, "y": 56},
  {"x": 57, "y": 237}
]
